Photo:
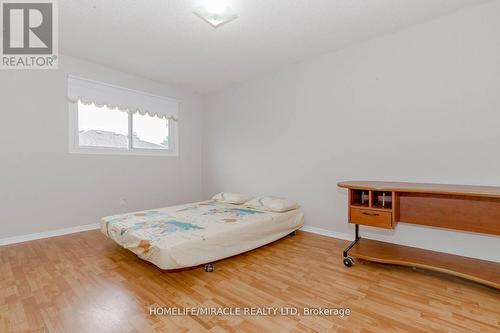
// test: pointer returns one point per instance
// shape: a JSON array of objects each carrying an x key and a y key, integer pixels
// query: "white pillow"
[
  {"x": 231, "y": 197},
  {"x": 272, "y": 204}
]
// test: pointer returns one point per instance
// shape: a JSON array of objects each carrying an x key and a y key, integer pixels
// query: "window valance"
[{"x": 102, "y": 94}]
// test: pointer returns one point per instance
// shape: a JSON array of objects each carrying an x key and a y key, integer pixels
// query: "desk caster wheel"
[
  {"x": 348, "y": 261},
  {"x": 209, "y": 268}
]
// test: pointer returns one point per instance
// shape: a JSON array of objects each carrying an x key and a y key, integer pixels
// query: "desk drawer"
[{"x": 373, "y": 218}]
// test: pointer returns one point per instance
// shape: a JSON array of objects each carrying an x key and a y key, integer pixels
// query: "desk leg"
[{"x": 348, "y": 261}]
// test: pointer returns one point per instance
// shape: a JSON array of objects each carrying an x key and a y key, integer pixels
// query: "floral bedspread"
[{"x": 197, "y": 233}]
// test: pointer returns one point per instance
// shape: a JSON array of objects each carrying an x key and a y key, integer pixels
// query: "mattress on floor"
[{"x": 198, "y": 233}]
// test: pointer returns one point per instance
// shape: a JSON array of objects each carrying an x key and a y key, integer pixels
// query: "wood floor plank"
[{"x": 86, "y": 283}]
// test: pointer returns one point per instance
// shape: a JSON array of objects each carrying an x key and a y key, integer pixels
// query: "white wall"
[
  {"x": 43, "y": 187},
  {"x": 419, "y": 105}
]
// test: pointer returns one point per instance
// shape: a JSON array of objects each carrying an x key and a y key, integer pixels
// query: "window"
[
  {"x": 149, "y": 132},
  {"x": 98, "y": 126},
  {"x": 102, "y": 128}
]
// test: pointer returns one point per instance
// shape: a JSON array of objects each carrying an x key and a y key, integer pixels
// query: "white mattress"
[{"x": 198, "y": 233}]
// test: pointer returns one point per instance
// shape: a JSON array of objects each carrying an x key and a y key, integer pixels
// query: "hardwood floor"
[{"x": 86, "y": 283}]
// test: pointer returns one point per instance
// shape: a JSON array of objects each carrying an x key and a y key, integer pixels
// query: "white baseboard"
[
  {"x": 47, "y": 234},
  {"x": 329, "y": 233}
]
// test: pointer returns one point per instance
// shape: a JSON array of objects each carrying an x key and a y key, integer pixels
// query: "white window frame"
[{"x": 75, "y": 148}]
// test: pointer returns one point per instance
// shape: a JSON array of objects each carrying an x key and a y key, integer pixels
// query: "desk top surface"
[{"x": 466, "y": 190}]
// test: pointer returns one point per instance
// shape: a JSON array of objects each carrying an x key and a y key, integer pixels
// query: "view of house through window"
[
  {"x": 149, "y": 132},
  {"x": 109, "y": 128},
  {"x": 102, "y": 127}
]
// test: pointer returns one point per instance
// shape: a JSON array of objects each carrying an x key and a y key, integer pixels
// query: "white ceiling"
[{"x": 162, "y": 40}]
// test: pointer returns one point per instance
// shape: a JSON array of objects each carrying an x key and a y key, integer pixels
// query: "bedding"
[
  {"x": 272, "y": 204},
  {"x": 198, "y": 233},
  {"x": 231, "y": 197}
]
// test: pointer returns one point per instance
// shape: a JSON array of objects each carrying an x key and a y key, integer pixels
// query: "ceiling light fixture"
[{"x": 216, "y": 13}]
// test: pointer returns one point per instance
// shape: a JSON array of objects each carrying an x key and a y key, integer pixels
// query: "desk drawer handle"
[{"x": 370, "y": 214}]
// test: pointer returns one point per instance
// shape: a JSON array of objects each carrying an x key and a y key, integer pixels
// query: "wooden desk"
[{"x": 457, "y": 207}]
